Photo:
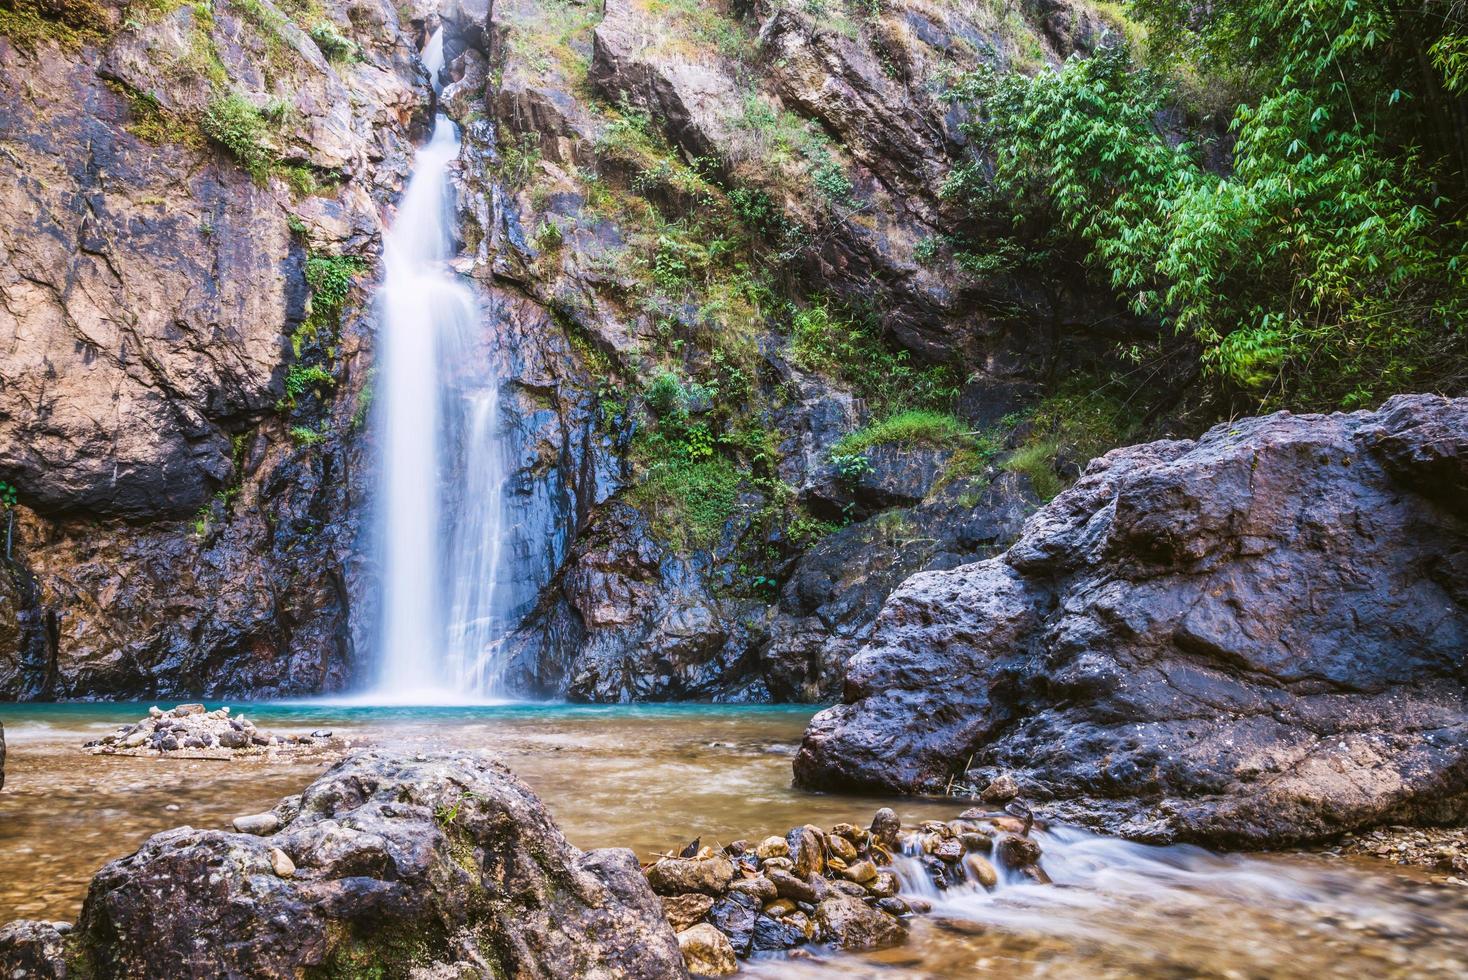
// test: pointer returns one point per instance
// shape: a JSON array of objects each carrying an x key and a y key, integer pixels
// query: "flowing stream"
[
  {"x": 651, "y": 777},
  {"x": 442, "y": 461}
]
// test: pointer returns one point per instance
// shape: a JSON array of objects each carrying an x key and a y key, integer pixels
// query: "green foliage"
[
  {"x": 914, "y": 427},
  {"x": 330, "y": 278},
  {"x": 1329, "y": 265},
  {"x": 850, "y": 466},
  {"x": 241, "y": 128},
  {"x": 302, "y": 378},
  {"x": 332, "y": 43},
  {"x": 1036, "y": 460},
  {"x": 9, "y": 496},
  {"x": 689, "y": 501},
  {"x": 519, "y": 156},
  {"x": 305, "y": 435},
  {"x": 849, "y": 347}
]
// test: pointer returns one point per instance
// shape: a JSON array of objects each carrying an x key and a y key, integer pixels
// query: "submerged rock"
[
  {"x": 1252, "y": 639},
  {"x": 444, "y": 863}
]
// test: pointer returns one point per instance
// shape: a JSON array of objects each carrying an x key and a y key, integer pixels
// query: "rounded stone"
[{"x": 707, "y": 952}]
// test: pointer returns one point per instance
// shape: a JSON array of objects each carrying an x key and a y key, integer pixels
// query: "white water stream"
[{"x": 440, "y": 514}]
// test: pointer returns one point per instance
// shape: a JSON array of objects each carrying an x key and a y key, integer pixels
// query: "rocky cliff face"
[
  {"x": 710, "y": 268},
  {"x": 1252, "y": 639},
  {"x": 189, "y": 190},
  {"x": 711, "y": 242}
]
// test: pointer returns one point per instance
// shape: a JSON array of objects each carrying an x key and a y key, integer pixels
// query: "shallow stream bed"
[{"x": 651, "y": 777}]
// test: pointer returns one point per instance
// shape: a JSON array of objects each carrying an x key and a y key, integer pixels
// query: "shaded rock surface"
[
  {"x": 1251, "y": 639},
  {"x": 445, "y": 863}
]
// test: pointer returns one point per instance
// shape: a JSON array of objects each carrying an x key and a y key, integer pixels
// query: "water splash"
[{"x": 443, "y": 466}]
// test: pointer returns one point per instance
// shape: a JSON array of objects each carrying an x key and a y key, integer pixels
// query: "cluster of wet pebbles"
[
  {"x": 190, "y": 731},
  {"x": 840, "y": 888}
]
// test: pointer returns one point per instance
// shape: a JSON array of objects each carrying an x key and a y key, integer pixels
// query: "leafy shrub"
[
  {"x": 332, "y": 43},
  {"x": 849, "y": 348},
  {"x": 1329, "y": 264},
  {"x": 330, "y": 278},
  {"x": 665, "y": 394},
  {"x": 301, "y": 378},
  {"x": 242, "y": 129}
]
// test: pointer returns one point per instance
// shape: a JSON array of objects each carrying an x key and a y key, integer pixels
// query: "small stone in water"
[
  {"x": 686, "y": 910},
  {"x": 886, "y": 828},
  {"x": 841, "y": 847},
  {"x": 321, "y": 733},
  {"x": 792, "y": 887},
  {"x": 981, "y": 870},
  {"x": 884, "y": 885},
  {"x": 860, "y": 872},
  {"x": 779, "y": 908},
  {"x": 1018, "y": 852}
]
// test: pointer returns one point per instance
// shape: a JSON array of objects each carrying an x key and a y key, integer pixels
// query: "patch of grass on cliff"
[
  {"x": 688, "y": 502},
  {"x": 915, "y": 427},
  {"x": 241, "y": 128},
  {"x": 1081, "y": 421},
  {"x": 70, "y": 24},
  {"x": 847, "y": 346}
]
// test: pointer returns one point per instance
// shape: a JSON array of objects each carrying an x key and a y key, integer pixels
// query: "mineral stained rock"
[{"x": 1253, "y": 639}]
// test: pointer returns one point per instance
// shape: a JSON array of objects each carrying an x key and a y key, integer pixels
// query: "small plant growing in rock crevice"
[
  {"x": 241, "y": 128},
  {"x": 333, "y": 44}
]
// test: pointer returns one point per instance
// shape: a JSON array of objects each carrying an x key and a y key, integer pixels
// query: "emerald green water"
[{"x": 652, "y": 777}]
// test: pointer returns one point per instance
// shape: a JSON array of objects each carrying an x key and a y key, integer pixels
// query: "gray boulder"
[
  {"x": 393, "y": 864},
  {"x": 1253, "y": 639}
]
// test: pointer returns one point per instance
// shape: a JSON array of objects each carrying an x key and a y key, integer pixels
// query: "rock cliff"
[
  {"x": 189, "y": 190},
  {"x": 1252, "y": 639}
]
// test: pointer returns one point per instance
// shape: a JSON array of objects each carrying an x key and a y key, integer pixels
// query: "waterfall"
[{"x": 439, "y": 505}]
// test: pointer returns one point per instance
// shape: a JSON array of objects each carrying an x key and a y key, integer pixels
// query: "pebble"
[
  {"x": 259, "y": 824},
  {"x": 707, "y": 952},
  {"x": 772, "y": 847},
  {"x": 282, "y": 864}
]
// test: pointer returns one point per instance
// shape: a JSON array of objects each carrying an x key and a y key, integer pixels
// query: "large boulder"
[
  {"x": 386, "y": 864},
  {"x": 1253, "y": 639}
]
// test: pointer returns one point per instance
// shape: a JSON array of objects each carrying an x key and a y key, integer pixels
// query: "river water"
[{"x": 651, "y": 777}]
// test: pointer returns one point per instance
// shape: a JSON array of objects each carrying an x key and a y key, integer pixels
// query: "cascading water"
[{"x": 439, "y": 506}]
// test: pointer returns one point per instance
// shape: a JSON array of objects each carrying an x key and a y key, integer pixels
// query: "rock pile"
[
  {"x": 190, "y": 731},
  {"x": 837, "y": 888},
  {"x": 1442, "y": 849}
]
